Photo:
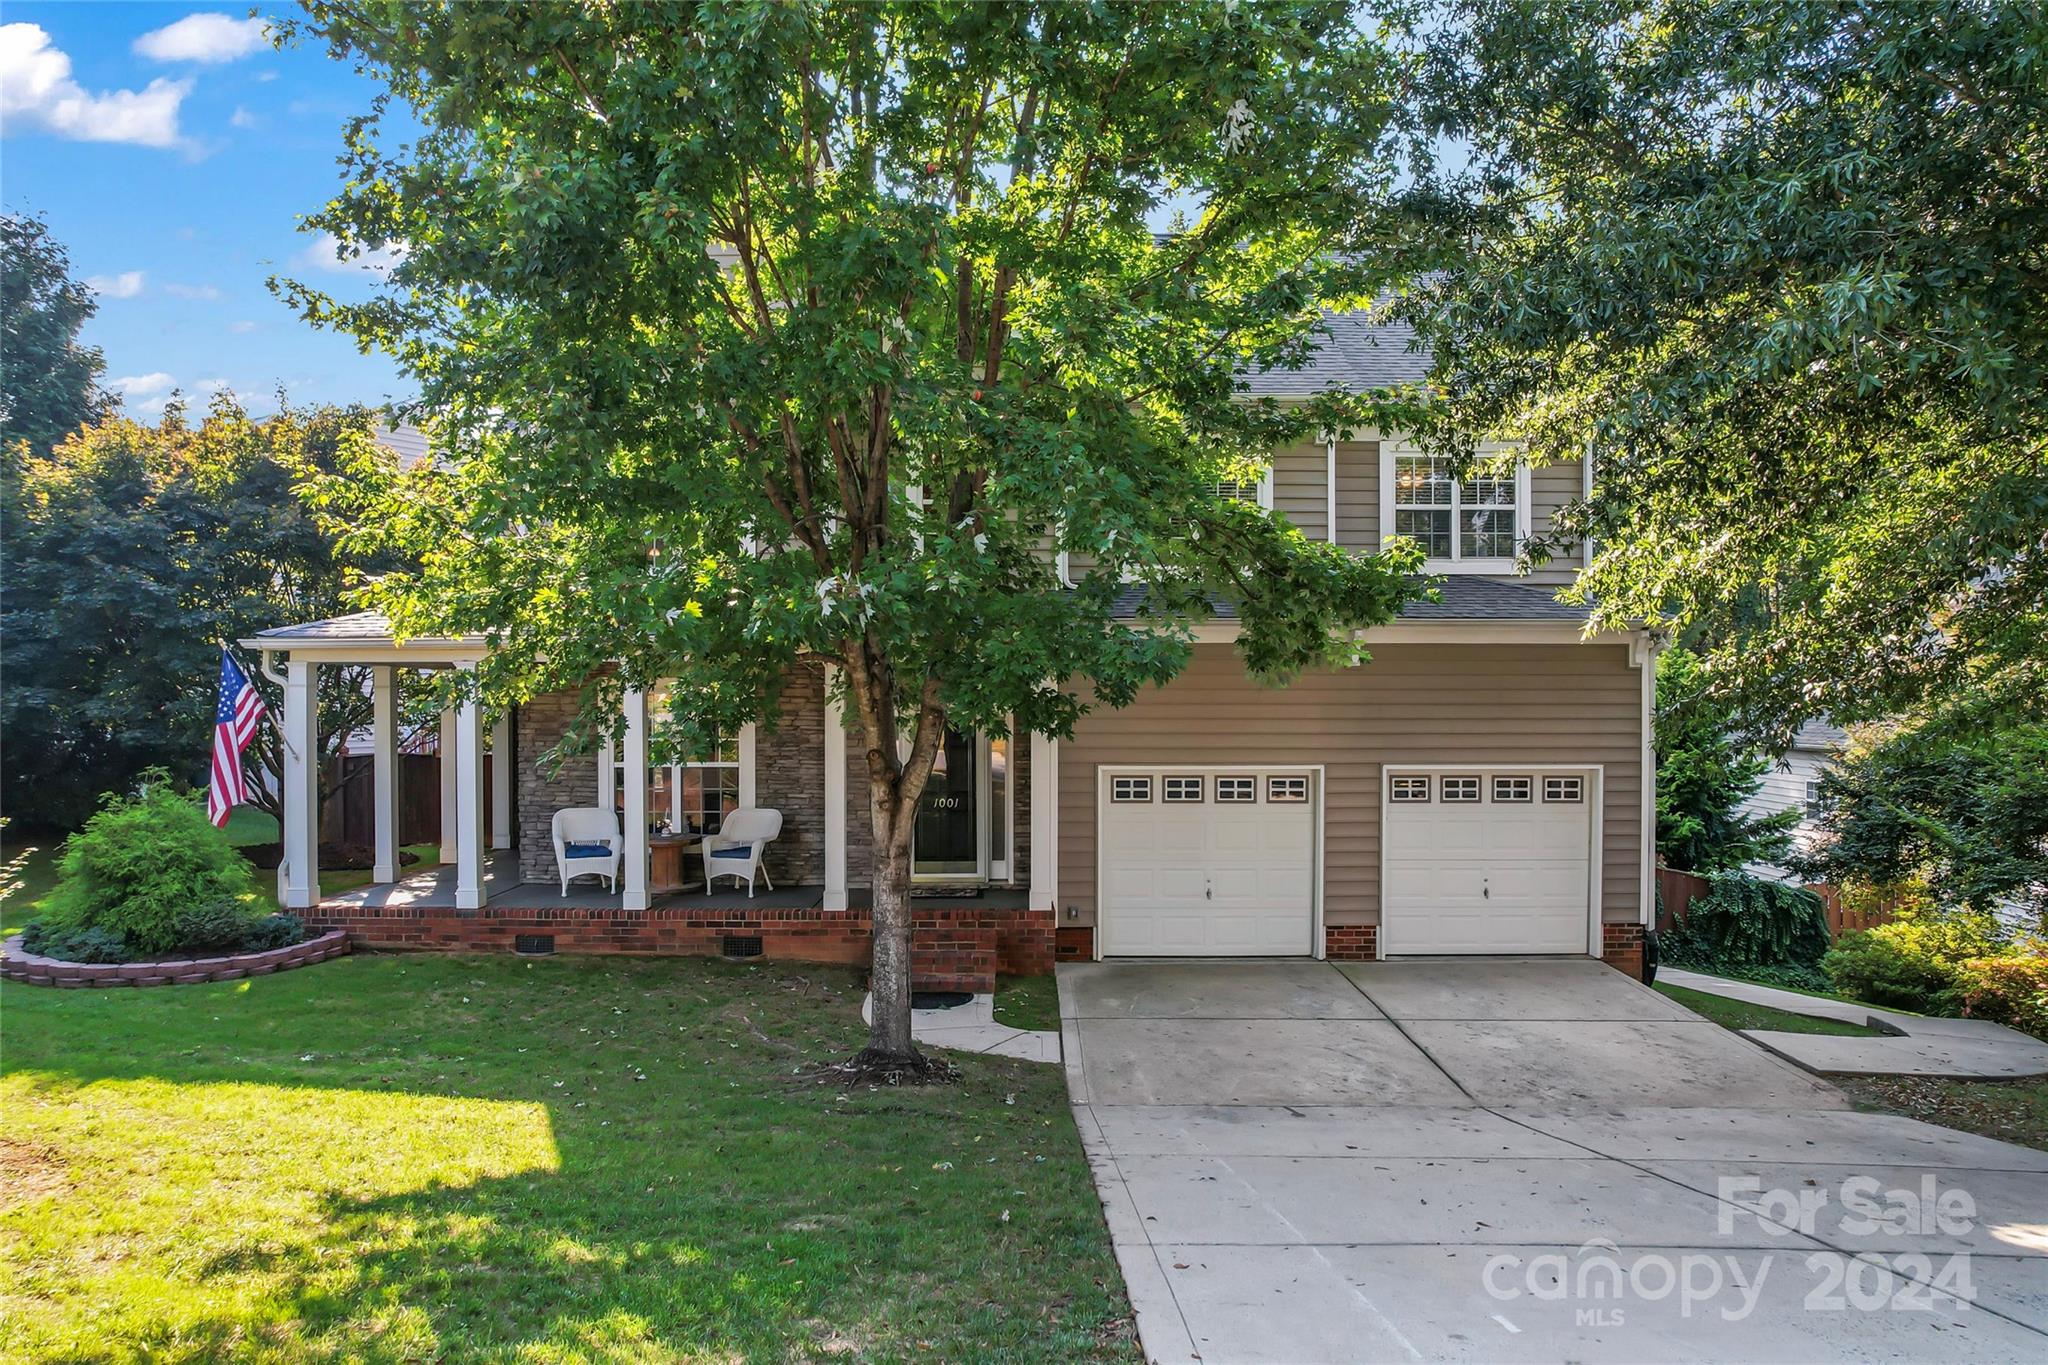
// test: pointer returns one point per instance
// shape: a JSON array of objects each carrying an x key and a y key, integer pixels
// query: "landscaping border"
[{"x": 35, "y": 970}]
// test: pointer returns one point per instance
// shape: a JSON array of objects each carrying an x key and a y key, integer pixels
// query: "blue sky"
[{"x": 174, "y": 156}]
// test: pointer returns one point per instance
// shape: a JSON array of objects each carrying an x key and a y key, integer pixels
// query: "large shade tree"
[
  {"x": 1780, "y": 269},
  {"x": 759, "y": 334},
  {"x": 128, "y": 554},
  {"x": 49, "y": 382}
]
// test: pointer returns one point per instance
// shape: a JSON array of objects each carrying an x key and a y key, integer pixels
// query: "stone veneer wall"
[
  {"x": 542, "y": 789},
  {"x": 789, "y": 776}
]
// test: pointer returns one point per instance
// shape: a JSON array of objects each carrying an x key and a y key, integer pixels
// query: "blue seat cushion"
[
  {"x": 586, "y": 851},
  {"x": 744, "y": 851}
]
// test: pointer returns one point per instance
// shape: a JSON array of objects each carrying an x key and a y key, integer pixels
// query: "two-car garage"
[{"x": 1229, "y": 861}]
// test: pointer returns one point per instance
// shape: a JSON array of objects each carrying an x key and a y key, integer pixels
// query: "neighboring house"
[
  {"x": 1480, "y": 786},
  {"x": 1793, "y": 783}
]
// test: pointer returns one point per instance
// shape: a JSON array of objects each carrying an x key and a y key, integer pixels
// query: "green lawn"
[
  {"x": 1028, "y": 1002},
  {"x": 442, "y": 1158},
  {"x": 2012, "y": 1111},
  {"x": 27, "y": 872},
  {"x": 340, "y": 879},
  {"x": 1737, "y": 1014}
]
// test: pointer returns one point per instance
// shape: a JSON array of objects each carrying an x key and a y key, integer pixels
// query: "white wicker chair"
[
  {"x": 735, "y": 851},
  {"x": 579, "y": 830}
]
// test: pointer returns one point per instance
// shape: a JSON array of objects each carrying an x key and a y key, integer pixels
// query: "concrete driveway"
[{"x": 1506, "y": 1160}]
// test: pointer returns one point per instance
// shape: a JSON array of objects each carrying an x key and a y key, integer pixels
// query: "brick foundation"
[
  {"x": 1351, "y": 942},
  {"x": 1621, "y": 947},
  {"x": 953, "y": 947},
  {"x": 1076, "y": 944}
]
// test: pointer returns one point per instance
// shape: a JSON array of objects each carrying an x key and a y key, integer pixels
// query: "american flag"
[{"x": 234, "y": 723}]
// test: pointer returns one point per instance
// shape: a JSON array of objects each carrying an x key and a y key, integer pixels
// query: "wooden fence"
[
  {"x": 1677, "y": 890},
  {"x": 346, "y": 816}
]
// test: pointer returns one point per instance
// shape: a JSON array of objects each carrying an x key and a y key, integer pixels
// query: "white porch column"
[
  {"x": 301, "y": 785},
  {"x": 448, "y": 762},
  {"x": 384, "y": 771},
  {"x": 469, "y": 802},
  {"x": 835, "y": 797},
  {"x": 501, "y": 781},
  {"x": 633, "y": 758},
  {"x": 1045, "y": 824}
]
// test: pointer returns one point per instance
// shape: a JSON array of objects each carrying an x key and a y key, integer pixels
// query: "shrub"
[
  {"x": 1911, "y": 963},
  {"x": 68, "y": 944},
  {"x": 2012, "y": 989},
  {"x": 274, "y": 931},
  {"x": 141, "y": 863},
  {"x": 223, "y": 924},
  {"x": 1743, "y": 923}
]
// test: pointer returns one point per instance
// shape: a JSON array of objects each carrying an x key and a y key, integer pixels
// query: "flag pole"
[{"x": 284, "y": 737}]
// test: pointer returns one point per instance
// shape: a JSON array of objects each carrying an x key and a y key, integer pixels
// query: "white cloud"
[
  {"x": 204, "y": 38},
  {"x": 145, "y": 392},
  {"x": 200, "y": 292},
  {"x": 324, "y": 253},
  {"x": 242, "y": 118},
  {"x": 36, "y": 89},
  {"x": 242, "y": 327},
  {"x": 125, "y": 285}
]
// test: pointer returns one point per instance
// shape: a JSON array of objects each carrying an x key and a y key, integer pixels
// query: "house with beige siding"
[{"x": 1483, "y": 785}]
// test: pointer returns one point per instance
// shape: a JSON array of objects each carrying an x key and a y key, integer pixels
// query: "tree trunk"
[{"x": 889, "y": 1042}]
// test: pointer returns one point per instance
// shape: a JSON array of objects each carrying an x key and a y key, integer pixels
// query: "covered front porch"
[
  {"x": 435, "y": 888},
  {"x": 496, "y": 882}
]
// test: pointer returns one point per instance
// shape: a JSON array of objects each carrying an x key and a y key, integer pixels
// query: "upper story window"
[
  {"x": 1471, "y": 524},
  {"x": 1258, "y": 492}
]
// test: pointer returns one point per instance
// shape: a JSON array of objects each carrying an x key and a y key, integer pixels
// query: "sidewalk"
[
  {"x": 972, "y": 1027},
  {"x": 1956, "y": 1049}
]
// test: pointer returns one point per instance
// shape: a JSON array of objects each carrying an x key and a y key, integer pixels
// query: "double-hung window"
[{"x": 1472, "y": 524}]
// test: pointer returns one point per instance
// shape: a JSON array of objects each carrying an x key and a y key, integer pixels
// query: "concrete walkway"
[
  {"x": 1510, "y": 1161},
  {"x": 972, "y": 1027},
  {"x": 1914, "y": 1045}
]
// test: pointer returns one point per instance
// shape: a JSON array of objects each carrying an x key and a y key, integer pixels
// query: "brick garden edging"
[{"x": 34, "y": 970}]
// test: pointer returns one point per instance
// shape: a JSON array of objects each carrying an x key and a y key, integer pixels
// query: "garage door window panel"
[
  {"x": 1181, "y": 789},
  {"x": 1237, "y": 790},
  {"x": 1459, "y": 789},
  {"x": 1132, "y": 789}
]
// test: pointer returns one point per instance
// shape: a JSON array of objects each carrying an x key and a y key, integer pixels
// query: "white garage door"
[
  {"x": 1487, "y": 862},
  {"x": 1207, "y": 864}
]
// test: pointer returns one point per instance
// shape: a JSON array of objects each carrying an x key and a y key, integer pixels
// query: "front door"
[{"x": 946, "y": 841}]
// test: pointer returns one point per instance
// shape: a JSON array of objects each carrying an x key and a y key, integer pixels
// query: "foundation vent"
[
  {"x": 533, "y": 945},
  {"x": 742, "y": 945}
]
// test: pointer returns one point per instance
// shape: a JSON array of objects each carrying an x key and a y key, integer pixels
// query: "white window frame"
[
  {"x": 1265, "y": 486},
  {"x": 1234, "y": 779},
  {"x": 609, "y": 770},
  {"x": 1411, "y": 794},
  {"x": 1528, "y": 789},
  {"x": 1390, "y": 450},
  {"x": 1124, "y": 787},
  {"x": 1174, "y": 788}
]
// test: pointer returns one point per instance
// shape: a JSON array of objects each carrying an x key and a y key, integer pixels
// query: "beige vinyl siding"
[
  {"x": 1358, "y": 494},
  {"x": 1551, "y": 487},
  {"x": 1562, "y": 704},
  {"x": 1301, "y": 488}
]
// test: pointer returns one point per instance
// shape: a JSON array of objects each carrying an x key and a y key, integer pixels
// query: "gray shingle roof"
[
  {"x": 1464, "y": 598},
  {"x": 361, "y": 625},
  {"x": 1361, "y": 351}
]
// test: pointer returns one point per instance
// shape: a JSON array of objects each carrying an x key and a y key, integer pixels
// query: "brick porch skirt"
[
  {"x": 1621, "y": 947},
  {"x": 957, "y": 948}
]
